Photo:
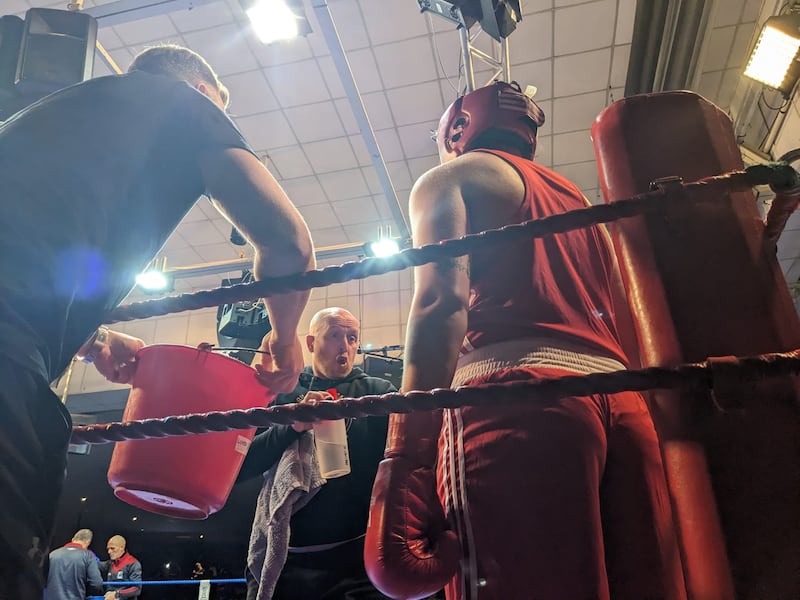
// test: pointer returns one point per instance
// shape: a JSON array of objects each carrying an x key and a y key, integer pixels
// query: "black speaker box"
[
  {"x": 10, "y": 42},
  {"x": 57, "y": 50}
]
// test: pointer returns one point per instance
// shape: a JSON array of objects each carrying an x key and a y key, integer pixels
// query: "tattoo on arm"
[{"x": 460, "y": 263}]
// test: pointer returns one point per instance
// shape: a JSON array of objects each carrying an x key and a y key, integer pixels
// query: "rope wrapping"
[
  {"x": 691, "y": 375},
  {"x": 655, "y": 201}
]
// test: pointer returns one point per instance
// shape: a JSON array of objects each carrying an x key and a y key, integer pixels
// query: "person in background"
[
  {"x": 121, "y": 566},
  {"x": 198, "y": 572},
  {"x": 95, "y": 178},
  {"x": 73, "y": 573},
  {"x": 326, "y": 546}
]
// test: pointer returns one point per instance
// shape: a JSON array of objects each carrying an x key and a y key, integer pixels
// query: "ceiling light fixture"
[
  {"x": 774, "y": 60},
  {"x": 274, "y": 20}
]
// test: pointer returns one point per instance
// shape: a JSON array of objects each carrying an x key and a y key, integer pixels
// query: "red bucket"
[{"x": 188, "y": 477}]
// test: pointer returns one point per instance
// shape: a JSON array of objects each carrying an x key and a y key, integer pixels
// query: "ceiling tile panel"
[
  {"x": 619, "y": 65},
  {"x": 741, "y": 45},
  {"x": 356, "y": 210},
  {"x": 530, "y": 7},
  {"x": 340, "y": 185},
  {"x": 267, "y": 130},
  {"x": 109, "y": 39},
  {"x": 585, "y": 27},
  {"x": 377, "y": 108},
  {"x": 331, "y": 155},
  {"x": 399, "y": 174},
  {"x": 363, "y": 232},
  {"x": 538, "y": 73},
  {"x": 196, "y": 213},
  {"x": 415, "y": 103},
  {"x": 203, "y": 16},
  {"x": 329, "y": 236},
  {"x": 281, "y": 51},
  {"x": 363, "y": 157},
  {"x": 404, "y": 21},
  {"x": 584, "y": 72},
  {"x": 226, "y": 50},
  {"x": 416, "y": 139},
  {"x": 297, "y": 83},
  {"x": 751, "y": 10},
  {"x": 319, "y": 216},
  {"x": 419, "y": 166},
  {"x": 727, "y": 13},
  {"x": 289, "y": 162},
  {"x": 406, "y": 63},
  {"x": 346, "y": 115},
  {"x": 304, "y": 190},
  {"x": 314, "y": 122},
  {"x": 390, "y": 145},
  {"x": 201, "y": 232},
  {"x": 544, "y": 150},
  {"x": 719, "y": 48},
  {"x": 583, "y": 174},
  {"x": 349, "y": 24},
  {"x": 446, "y": 49},
  {"x": 572, "y": 147},
  {"x": 175, "y": 242},
  {"x": 365, "y": 71},
  {"x": 331, "y": 77},
  {"x": 215, "y": 252},
  {"x": 708, "y": 86},
  {"x": 626, "y": 13},
  {"x": 577, "y": 112},
  {"x": 182, "y": 257},
  {"x": 533, "y": 38},
  {"x": 145, "y": 30},
  {"x": 250, "y": 94}
]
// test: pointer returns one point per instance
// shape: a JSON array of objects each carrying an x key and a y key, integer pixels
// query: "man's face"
[
  {"x": 115, "y": 549},
  {"x": 333, "y": 346}
]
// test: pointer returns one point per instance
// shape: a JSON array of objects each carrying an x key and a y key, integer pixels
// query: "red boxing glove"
[{"x": 410, "y": 550}]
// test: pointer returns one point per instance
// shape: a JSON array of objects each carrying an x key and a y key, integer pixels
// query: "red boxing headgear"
[{"x": 500, "y": 106}]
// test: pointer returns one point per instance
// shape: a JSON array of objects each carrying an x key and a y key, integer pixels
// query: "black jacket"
[{"x": 340, "y": 509}]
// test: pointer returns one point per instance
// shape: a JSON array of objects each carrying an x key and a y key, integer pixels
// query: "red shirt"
[{"x": 556, "y": 287}]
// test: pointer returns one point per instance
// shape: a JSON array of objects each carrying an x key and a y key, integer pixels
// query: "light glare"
[
  {"x": 272, "y": 20},
  {"x": 384, "y": 247},
  {"x": 772, "y": 57},
  {"x": 152, "y": 280}
]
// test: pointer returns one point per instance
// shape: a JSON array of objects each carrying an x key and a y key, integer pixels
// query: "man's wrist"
[{"x": 89, "y": 351}]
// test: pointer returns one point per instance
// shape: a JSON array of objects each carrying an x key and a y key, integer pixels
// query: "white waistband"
[{"x": 532, "y": 352}]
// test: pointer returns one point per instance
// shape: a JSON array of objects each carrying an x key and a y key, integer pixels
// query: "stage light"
[
  {"x": 498, "y": 18},
  {"x": 274, "y": 20},
  {"x": 382, "y": 248},
  {"x": 153, "y": 280},
  {"x": 774, "y": 60}
]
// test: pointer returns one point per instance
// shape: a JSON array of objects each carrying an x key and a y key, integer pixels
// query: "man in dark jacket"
[
  {"x": 121, "y": 566},
  {"x": 326, "y": 545},
  {"x": 74, "y": 573}
]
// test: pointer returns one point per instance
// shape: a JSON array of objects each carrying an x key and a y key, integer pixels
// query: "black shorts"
[{"x": 34, "y": 433}]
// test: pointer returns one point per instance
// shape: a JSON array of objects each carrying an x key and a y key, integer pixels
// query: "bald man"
[
  {"x": 121, "y": 566},
  {"x": 326, "y": 544}
]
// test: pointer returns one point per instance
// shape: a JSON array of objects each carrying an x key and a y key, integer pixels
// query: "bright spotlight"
[
  {"x": 383, "y": 248},
  {"x": 153, "y": 281},
  {"x": 275, "y": 20},
  {"x": 773, "y": 61}
]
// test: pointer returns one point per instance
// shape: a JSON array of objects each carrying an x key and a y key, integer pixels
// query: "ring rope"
[
  {"x": 649, "y": 202},
  {"x": 723, "y": 373}
]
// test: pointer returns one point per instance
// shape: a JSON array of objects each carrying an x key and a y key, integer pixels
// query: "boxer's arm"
[
  {"x": 250, "y": 197},
  {"x": 438, "y": 318}
]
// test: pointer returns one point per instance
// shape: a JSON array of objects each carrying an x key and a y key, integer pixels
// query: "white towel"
[{"x": 288, "y": 486}]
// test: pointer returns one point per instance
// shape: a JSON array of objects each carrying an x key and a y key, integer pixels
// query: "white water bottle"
[{"x": 330, "y": 440}]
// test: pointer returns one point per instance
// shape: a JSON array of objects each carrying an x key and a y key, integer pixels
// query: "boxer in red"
[{"x": 550, "y": 499}]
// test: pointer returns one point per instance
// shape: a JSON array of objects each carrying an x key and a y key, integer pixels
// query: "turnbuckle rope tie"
[
  {"x": 704, "y": 375},
  {"x": 649, "y": 202}
]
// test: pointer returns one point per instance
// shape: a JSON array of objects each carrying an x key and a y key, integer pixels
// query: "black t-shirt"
[{"x": 93, "y": 179}]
